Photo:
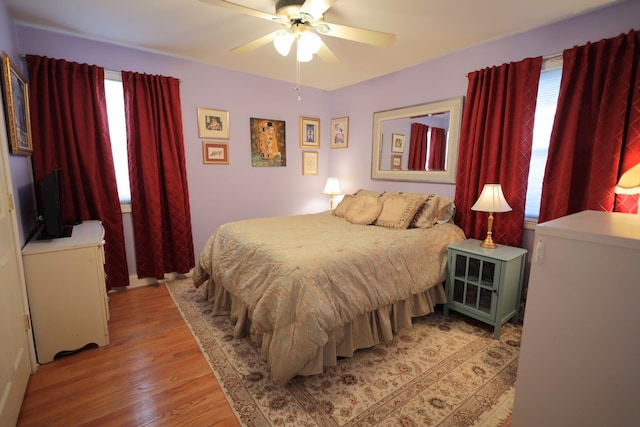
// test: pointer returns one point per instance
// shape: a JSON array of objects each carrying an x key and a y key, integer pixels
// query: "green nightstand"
[{"x": 485, "y": 283}]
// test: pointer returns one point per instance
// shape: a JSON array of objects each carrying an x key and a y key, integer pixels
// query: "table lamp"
[
  {"x": 332, "y": 188},
  {"x": 491, "y": 200}
]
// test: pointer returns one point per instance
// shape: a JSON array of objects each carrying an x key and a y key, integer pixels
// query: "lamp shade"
[
  {"x": 629, "y": 181},
  {"x": 283, "y": 43},
  {"x": 332, "y": 187},
  {"x": 491, "y": 200}
]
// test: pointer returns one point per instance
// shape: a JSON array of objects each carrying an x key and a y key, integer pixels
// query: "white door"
[{"x": 15, "y": 362}]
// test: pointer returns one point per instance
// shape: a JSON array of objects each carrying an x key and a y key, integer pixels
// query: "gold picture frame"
[
  {"x": 16, "y": 101},
  {"x": 396, "y": 162},
  {"x": 309, "y": 132},
  {"x": 397, "y": 143},
  {"x": 213, "y": 123},
  {"x": 340, "y": 133},
  {"x": 215, "y": 153},
  {"x": 309, "y": 163}
]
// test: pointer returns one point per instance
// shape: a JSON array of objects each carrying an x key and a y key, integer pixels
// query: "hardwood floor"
[{"x": 151, "y": 374}]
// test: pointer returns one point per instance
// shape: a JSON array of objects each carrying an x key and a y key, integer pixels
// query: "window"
[
  {"x": 548, "y": 90},
  {"x": 118, "y": 132}
]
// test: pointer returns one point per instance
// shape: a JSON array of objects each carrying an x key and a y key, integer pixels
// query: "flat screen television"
[{"x": 51, "y": 210}]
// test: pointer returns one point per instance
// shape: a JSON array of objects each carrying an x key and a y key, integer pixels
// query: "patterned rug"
[{"x": 442, "y": 372}]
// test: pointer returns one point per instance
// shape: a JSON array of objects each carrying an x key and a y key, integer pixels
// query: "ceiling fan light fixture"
[
  {"x": 283, "y": 43},
  {"x": 322, "y": 28},
  {"x": 303, "y": 55},
  {"x": 310, "y": 42}
]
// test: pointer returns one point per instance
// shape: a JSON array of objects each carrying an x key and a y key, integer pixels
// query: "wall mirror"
[{"x": 417, "y": 143}]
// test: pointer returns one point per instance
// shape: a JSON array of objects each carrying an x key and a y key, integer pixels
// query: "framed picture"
[
  {"x": 16, "y": 99},
  {"x": 340, "y": 132},
  {"x": 215, "y": 153},
  {"x": 309, "y": 163},
  {"x": 213, "y": 123},
  {"x": 268, "y": 144},
  {"x": 397, "y": 143},
  {"x": 309, "y": 132},
  {"x": 396, "y": 162}
]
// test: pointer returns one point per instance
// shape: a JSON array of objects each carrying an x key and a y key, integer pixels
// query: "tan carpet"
[{"x": 442, "y": 372}]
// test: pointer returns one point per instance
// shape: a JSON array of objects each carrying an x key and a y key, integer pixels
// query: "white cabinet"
[
  {"x": 580, "y": 355},
  {"x": 66, "y": 291}
]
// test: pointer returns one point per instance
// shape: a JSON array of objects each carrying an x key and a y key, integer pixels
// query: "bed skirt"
[{"x": 366, "y": 330}]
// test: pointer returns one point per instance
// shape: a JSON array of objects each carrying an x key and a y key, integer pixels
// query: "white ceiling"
[{"x": 190, "y": 29}]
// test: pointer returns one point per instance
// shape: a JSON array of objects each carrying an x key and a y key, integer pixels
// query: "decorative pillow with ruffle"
[
  {"x": 398, "y": 211},
  {"x": 343, "y": 205},
  {"x": 436, "y": 209},
  {"x": 363, "y": 210}
]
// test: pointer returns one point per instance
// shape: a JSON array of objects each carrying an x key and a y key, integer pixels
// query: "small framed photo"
[
  {"x": 213, "y": 123},
  {"x": 215, "y": 153},
  {"x": 309, "y": 163},
  {"x": 397, "y": 143},
  {"x": 396, "y": 162},
  {"x": 309, "y": 132},
  {"x": 16, "y": 98},
  {"x": 340, "y": 132}
]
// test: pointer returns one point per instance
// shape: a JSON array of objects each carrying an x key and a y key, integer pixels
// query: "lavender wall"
[
  {"x": 20, "y": 166},
  {"x": 219, "y": 193},
  {"x": 237, "y": 191},
  {"x": 446, "y": 78}
]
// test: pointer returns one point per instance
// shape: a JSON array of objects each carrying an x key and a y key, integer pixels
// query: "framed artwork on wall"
[
  {"x": 396, "y": 162},
  {"x": 397, "y": 143},
  {"x": 215, "y": 153},
  {"x": 16, "y": 101},
  {"x": 268, "y": 144},
  {"x": 309, "y": 132},
  {"x": 213, "y": 123},
  {"x": 309, "y": 163},
  {"x": 340, "y": 132}
]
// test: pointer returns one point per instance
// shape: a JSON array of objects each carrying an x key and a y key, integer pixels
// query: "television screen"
[{"x": 53, "y": 227}]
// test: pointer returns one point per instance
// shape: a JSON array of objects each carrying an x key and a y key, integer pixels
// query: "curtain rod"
[
  {"x": 23, "y": 56},
  {"x": 545, "y": 58}
]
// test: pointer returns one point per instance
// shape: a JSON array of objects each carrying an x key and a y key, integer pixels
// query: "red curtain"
[
  {"x": 159, "y": 192},
  {"x": 596, "y": 132},
  {"x": 495, "y": 146},
  {"x": 71, "y": 132},
  {"x": 418, "y": 147},
  {"x": 437, "y": 149}
]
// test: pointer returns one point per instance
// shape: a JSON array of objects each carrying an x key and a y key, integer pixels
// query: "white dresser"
[
  {"x": 580, "y": 356},
  {"x": 66, "y": 291}
]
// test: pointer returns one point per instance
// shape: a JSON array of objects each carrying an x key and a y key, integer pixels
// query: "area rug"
[{"x": 444, "y": 371}]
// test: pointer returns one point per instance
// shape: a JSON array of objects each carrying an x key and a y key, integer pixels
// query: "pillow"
[
  {"x": 398, "y": 211},
  {"x": 363, "y": 192},
  {"x": 435, "y": 209},
  {"x": 363, "y": 210},
  {"x": 343, "y": 205}
]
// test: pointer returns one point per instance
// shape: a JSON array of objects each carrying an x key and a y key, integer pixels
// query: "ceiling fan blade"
[
  {"x": 327, "y": 55},
  {"x": 242, "y": 9},
  {"x": 316, "y": 8},
  {"x": 375, "y": 38},
  {"x": 254, "y": 44}
]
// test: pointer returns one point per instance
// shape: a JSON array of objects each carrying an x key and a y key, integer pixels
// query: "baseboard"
[{"x": 136, "y": 282}]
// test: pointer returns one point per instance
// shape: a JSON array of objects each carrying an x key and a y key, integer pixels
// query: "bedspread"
[{"x": 303, "y": 276}]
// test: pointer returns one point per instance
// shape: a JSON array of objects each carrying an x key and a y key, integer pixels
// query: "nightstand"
[{"x": 485, "y": 284}]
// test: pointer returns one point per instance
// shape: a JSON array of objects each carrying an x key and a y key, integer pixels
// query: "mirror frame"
[{"x": 448, "y": 176}]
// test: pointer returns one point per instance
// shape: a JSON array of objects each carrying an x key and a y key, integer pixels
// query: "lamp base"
[{"x": 488, "y": 242}]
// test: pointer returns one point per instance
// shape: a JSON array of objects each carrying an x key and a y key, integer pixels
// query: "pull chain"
[{"x": 298, "y": 80}]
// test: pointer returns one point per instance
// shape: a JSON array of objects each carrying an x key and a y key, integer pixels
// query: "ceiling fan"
[{"x": 301, "y": 21}]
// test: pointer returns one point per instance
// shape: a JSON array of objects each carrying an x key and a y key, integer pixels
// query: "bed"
[{"x": 310, "y": 289}]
